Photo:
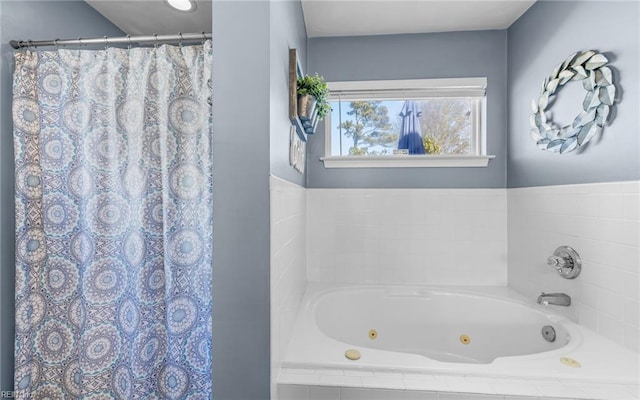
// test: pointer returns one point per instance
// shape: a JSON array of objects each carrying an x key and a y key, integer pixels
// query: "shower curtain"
[{"x": 113, "y": 223}]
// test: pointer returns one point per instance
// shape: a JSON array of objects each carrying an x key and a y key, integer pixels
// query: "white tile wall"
[
  {"x": 399, "y": 385},
  {"x": 407, "y": 236},
  {"x": 300, "y": 392},
  {"x": 288, "y": 265},
  {"x": 601, "y": 222}
]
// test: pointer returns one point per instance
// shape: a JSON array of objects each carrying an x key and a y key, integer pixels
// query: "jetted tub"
[{"x": 484, "y": 331}]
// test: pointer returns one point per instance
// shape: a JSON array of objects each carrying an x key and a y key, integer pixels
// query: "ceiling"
[
  {"x": 147, "y": 17},
  {"x": 375, "y": 17},
  {"x": 328, "y": 17}
]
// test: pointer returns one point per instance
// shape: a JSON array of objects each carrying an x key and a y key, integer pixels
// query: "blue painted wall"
[
  {"x": 416, "y": 56},
  {"x": 241, "y": 206},
  {"x": 27, "y": 20},
  {"x": 251, "y": 138},
  {"x": 543, "y": 37},
  {"x": 287, "y": 31}
]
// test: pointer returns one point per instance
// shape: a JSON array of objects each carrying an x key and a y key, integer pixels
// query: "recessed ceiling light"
[{"x": 182, "y": 5}]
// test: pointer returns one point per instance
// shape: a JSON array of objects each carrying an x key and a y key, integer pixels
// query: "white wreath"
[{"x": 597, "y": 80}]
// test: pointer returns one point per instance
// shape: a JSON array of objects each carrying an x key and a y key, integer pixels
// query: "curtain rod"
[{"x": 180, "y": 37}]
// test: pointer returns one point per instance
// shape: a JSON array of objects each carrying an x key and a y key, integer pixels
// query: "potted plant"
[{"x": 313, "y": 103}]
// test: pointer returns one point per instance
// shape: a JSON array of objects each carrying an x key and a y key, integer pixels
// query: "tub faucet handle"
[
  {"x": 566, "y": 261},
  {"x": 556, "y": 262}
]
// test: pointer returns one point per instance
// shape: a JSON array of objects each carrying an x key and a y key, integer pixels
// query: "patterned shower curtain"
[{"x": 113, "y": 223}]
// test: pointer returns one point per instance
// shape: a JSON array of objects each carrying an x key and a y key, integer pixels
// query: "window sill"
[{"x": 402, "y": 161}]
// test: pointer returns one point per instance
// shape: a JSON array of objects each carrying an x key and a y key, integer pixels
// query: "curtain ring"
[
  {"x": 155, "y": 35},
  {"x": 106, "y": 42},
  {"x": 129, "y": 38},
  {"x": 204, "y": 37},
  {"x": 79, "y": 47},
  {"x": 181, "y": 39},
  {"x": 29, "y": 44},
  {"x": 55, "y": 43}
]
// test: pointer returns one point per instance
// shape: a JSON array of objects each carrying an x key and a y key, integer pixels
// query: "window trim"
[
  {"x": 402, "y": 161},
  {"x": 446, "y": 87}
]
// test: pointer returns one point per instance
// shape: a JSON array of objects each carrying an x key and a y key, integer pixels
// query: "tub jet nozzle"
[{"x": 548, "y": 333}]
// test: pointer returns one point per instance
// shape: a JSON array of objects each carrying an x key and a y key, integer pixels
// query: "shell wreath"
[{"x": 597, "y": 79}]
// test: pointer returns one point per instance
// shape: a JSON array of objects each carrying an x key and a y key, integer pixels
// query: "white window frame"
[{"x": 414, "y": 88}]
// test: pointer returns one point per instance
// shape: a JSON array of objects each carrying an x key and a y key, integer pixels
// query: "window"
[{"x": 406, "y": 123}]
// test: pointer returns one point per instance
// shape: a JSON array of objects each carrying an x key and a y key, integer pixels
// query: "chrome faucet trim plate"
[{"x": 566, "y": 261}]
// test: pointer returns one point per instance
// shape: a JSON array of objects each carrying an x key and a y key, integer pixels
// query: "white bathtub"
[{"x": 422, "y": 330}]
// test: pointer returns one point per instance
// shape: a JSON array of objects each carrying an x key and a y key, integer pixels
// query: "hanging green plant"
[{"x": 315, "y": 86}]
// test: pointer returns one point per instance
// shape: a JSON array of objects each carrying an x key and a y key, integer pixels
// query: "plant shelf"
[{"x": 302, "y": 128}]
